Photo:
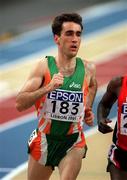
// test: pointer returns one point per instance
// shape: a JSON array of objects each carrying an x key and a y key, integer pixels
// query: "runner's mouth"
[{"x": 73, "y": 47}]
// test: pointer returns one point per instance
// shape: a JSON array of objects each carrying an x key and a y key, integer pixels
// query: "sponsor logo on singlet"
[{"x": 74, "y": 85}]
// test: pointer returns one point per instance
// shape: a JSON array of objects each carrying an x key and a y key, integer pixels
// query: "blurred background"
[
  {"x": 18, "y": 16},
  {"x": 26, "y": 37}
]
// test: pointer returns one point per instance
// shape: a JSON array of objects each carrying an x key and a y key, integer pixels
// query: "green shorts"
[{"x": 49, "y": 150}]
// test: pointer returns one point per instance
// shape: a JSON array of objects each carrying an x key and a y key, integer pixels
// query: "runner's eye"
[
  {"x": 72, "y": 33},
  {"x": 69, "y": 33},
  {"x": 78, "y": 33}
]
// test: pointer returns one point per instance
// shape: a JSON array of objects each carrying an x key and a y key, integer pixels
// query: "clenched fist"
[
  {"x": 103, "y": 126},
  {"x": 89, "y": 116},
  {"x": 56, "y": 81}
]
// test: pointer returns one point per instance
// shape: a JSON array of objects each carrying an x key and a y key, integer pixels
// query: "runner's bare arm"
[
  {"x": 34, "y": 89},
  {"x": 91, "y": 73},
  {"x": 90, "y": 70},
  {"x": 92, "y": 89},
  {"x": 106, "y": 103}
]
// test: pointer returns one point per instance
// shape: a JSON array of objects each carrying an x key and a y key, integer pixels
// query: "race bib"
[
  {"x": 123, "y": 124},
  {"x": 64, "y": 105}
]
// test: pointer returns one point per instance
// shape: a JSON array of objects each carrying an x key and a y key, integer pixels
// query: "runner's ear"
[{"x": 57, "y": 39}]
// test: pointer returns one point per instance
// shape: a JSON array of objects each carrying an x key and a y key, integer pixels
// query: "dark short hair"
[{"x": 65, "y": 17}]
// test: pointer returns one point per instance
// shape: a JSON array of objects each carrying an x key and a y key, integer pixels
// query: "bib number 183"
[{"x": 65, "y": 106}]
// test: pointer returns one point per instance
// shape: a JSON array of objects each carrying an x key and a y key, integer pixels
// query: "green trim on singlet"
[{"x": 57, "y": 127}]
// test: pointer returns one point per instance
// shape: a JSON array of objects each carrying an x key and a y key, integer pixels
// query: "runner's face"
[{"x": 70, "y": 39}]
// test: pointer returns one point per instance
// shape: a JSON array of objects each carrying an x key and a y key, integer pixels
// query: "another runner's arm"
[
  {"x": 106, "y": 103},
  {"x": 34, "y": 89}
]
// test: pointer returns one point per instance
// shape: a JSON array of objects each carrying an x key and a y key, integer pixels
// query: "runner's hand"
[
  {"x": 103, "y": 126},
  {"x": 56, "y": 81},
  {"x": 89, "y": 116}
]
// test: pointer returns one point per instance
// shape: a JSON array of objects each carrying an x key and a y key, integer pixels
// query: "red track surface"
[{"x": 115, "y": 66}]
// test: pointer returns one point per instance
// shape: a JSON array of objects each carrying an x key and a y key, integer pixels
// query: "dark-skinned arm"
[{"x": 106, "y": 103}]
